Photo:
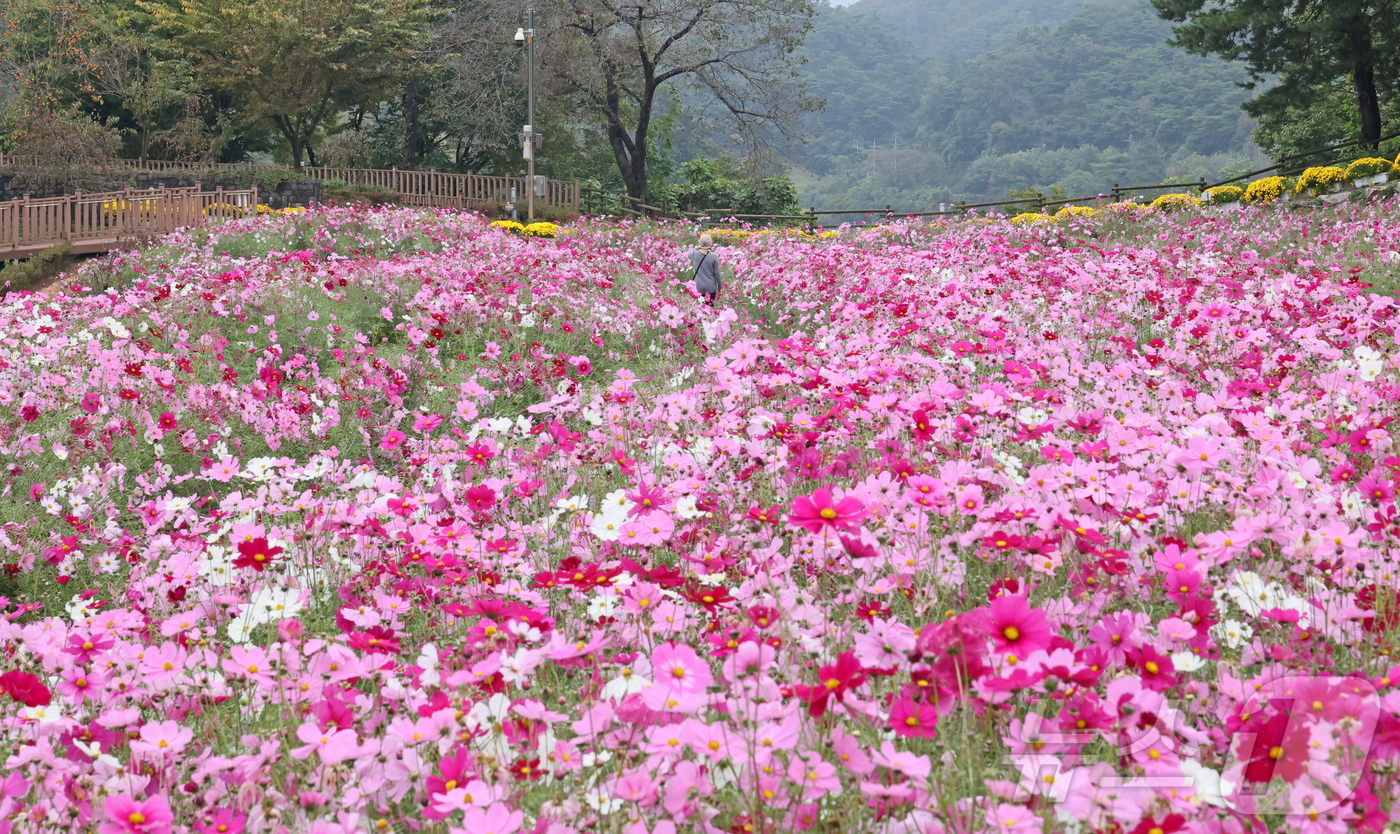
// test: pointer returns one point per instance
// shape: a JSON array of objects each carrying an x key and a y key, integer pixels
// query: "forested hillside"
[
  {"x": 959, "y": 30},
  {"x": 1097, "y": 99}
]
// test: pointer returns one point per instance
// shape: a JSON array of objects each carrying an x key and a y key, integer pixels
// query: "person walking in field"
[{"x": 704, "y": 265}]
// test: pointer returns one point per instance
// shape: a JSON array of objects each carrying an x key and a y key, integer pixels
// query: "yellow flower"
[
  {"x": 1174, "y": 202},
  {"x": 541, "y": 229},
  {"x": 1266, "y": 190},
  {"x": 1030, "y": 219},
  {"x": 1368, "y": 167},
  {"x": 1223, "y": 195},
  {"x": 1321, "y": 179},
  {"x": 509, "y": 226},
  {"x": 1071, "y": 212},
  {"x": 222, "y": 209}
]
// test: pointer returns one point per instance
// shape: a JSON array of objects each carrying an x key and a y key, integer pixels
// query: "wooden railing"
[
  {"x": 99, "y": 222},
  {"x": 426, "y": 188}
]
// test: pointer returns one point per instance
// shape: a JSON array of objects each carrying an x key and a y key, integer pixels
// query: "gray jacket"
[{"x": 706, "y": 269}]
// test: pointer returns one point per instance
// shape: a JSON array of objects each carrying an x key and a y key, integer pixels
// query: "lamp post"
[{"x": 526, "y": 37}]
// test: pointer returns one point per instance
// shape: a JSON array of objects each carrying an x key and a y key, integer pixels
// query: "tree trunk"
[
  {"x": 310, "y": 155},
  {"x": 412, "y": 130},
  {"x": 1368, "y": 103},
  {"x": 1363, "y": 75}
]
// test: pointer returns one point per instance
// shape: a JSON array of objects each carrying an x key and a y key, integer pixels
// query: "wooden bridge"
[
  {"x": 420, "y": 188},
  {"x": 102, "y": 222}
]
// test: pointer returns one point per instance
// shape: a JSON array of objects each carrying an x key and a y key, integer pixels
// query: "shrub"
[
  {"x": 1320, "y": 179},
  {"x": 1030, "y": 218},
  {"x": 1266, "y": 190},
  {"x": 1368, "y": 167},
  {"x": 1174, "y": 202},
  {"x": 509, "y": 226},
  {"x": 30, "y": 274},
  {"x": 724, "y": 186},
  {"x": 1223, "y": 195},
  {"x": 1071, "y": 212},
  {"x": 222, "y": 210},
  {"x": 541, "y": 229}
]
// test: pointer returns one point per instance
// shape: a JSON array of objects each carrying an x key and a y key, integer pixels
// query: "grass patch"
[{"x": 31, "y": 274}]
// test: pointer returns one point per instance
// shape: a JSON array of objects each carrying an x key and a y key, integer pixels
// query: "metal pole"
[{"x": 530, "y": 75}]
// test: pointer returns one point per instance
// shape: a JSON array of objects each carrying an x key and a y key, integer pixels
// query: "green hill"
[{"x": 1096, "y": 99}]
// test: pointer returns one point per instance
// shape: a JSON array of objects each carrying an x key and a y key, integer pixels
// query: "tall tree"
[
  {"x": 737, "y": 57},
  {"x": 294, "y": 63},
  {"x": 1303, "y": 44}
]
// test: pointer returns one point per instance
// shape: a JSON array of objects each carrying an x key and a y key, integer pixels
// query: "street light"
[{"x": 526, "y": 38}]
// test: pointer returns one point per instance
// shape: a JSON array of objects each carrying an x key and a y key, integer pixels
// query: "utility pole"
[{"x": 530, "y": 76}]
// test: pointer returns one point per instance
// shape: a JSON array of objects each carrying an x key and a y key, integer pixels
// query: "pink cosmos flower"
[
  {"x": 678, "y": 674},
  {"x": 911, "y": 719},
  {"x": 392, "y": 440},
  {"x": 223, "y": 821},
  {"x": 333, "y": 744},
  {"x": 646, "y": 531},
  {"x": 129, "y": 816},
  {"x": 481, "y": 498},
  {"x": 162, "y": 738},
  {"x": 1013, "y": 819},
  {"x": 816, "y": 513},
  {"x": 910, "y": 764},
  {"x": 497, "y": 819},
  {"x": 816, "y": 776},
  {"x": 1017, "y": 628}
]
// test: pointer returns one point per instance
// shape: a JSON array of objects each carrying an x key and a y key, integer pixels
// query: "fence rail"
[
  {"x": 426, "y": 188},
  {"x": 100, "y": 222},
  {"x": 1286, "y": 167}
]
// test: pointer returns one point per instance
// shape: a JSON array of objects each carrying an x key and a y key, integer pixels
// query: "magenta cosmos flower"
[
  {"x": 128, "y": 816},
  {"x": 817, "y": 512},
  {"x": 1017, "y": 628}
]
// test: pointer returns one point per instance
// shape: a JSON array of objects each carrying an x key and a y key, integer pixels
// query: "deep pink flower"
[
  {"x": 911, "y": 719},
  {"x": 167, "y": 421},
  {"x": 481, "y": 498},
  {"x": 392, "y": 440},
  {"x": 1017, "y": 628},
  {"x": 25, "y": 688},
  {"x": 833, "y": 682},
  {"x": 817, "y": 512},
  {"x": 1158, "y": 672},
  {"x": 129, "y": 816},
  {"x": 223, "y": 821}
]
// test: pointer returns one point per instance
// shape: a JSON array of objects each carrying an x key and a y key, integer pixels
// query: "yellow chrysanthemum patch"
[
  {"x": 1319, "y": 180},
  {"x": 1223, "y": 195},
  {"x": 1368, "y": 167},
  {"x": 1071, "y": 212},
  {"x": 1266, "y": 190},
  {"x": 1030, "y": 219},
  {"x": 221, "y": 210},
  {"x": 542, "y": 229},
  {"x": 1174, "y": 202},
  {"x": 509, "y": 226},
  {"x": 1126, "y": 206},
  {"x": 140, "y": 207},
  {"x": 739, "y": 235}
]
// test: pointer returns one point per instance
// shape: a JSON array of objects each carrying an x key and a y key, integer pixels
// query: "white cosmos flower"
[
  {"x": 607, "y": 526},
  {"x": 1187, "y": 661},
  {"x": 1232, "y": 633}
]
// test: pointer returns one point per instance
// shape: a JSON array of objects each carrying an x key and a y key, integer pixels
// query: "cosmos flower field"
[{"x": 356, "y": 521}]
